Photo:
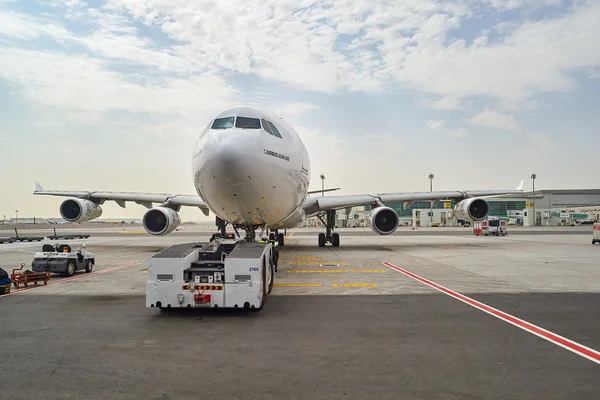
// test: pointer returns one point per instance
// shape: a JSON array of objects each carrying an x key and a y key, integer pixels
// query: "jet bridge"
[{"x": 226, "y": 273}]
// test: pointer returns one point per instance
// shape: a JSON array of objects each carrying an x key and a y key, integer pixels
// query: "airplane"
[{"x": 252, "y": 171}]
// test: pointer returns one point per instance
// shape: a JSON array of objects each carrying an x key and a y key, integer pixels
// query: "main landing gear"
[{"x": 329, "y": 236}]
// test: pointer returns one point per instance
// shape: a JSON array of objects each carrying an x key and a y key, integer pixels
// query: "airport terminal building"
[{"x": 552, "y": 208}]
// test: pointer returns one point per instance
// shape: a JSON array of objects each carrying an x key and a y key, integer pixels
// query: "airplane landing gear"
[
  {"x": 250, "y": 233},
  {"x": 280, "y": 237},
  {"x": 329, "y": 236}
]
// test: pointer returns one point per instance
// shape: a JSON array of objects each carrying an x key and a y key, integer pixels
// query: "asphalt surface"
[
  {"x": 363, "y": 347},
  {"x": 339, "y": 324}
]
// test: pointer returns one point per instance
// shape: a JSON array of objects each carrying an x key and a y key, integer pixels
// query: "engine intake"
[
  {"x": 383, "y": 220},
  {"x": 79, "y": 210},
  {"x": 473, "y": 210},
  {"x": 161, "y": 221}
]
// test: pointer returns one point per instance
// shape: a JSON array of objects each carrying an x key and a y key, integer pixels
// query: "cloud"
[
  {"x": 435, "y": 125},
  {"x": 337, "y": 47},
  {"x": 440, "y": 126},
  {"x": 78, "y": 83},
  {"x": 330, "y": 151},
  {"x": 495, "y": 118},
  {"x": 289, "y": 109},
  {"x": 21, "y": 26},
  {"x": 460, "y": 133}
]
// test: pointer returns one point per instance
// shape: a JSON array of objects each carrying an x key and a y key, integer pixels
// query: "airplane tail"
[
  {"x": 520, "y": 187},
  {"x": 38, "y": 187}
]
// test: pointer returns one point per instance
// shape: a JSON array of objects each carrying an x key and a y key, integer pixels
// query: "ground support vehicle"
[
  {"x": 67, "y": 237},
  {"x": 226, "y": 273},
  {"x": 496, "y": 227},
  {"x": 26, "y": 277},
  {"x": 61, "y": 259},
  {"x": 5, "y": 282},
  {"x": 596, "y": 235},
  {"x": 18, "y": 238}
]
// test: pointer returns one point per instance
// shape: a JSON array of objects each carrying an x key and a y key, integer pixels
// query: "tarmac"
[{"x": 449, "y": 316}]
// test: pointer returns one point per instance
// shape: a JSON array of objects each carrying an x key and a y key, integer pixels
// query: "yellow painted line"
[
  {"x": 297, "y": 284},
  {"x": 354, "y": 285},
  {"x": 307, "y": 258},
  {"x": 289, "y": 236}
]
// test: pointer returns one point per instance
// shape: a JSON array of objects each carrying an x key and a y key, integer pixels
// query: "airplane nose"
[
  {"x": 227, "y": 155},
  {"x": 231, "y": 163}
]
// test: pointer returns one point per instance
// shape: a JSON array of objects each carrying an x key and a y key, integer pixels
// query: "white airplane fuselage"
[{"x": 250, "y": 176}]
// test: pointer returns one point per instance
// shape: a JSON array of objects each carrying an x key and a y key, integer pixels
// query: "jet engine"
[
  {"x": 473, "y": 209},
  {"x": 383, "y": 220},
  {"x": 79, "y": 210},
  {"x": 161, "y": 221}
]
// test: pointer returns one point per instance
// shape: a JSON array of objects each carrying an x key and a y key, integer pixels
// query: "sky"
[{"x": 111, "y": 95}]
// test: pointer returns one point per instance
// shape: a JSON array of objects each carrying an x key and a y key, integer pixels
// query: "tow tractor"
[
  {"x": 62, "y": 259},
  {"x": 227, "y": 272},
  {"x": 496, "y": 227}
]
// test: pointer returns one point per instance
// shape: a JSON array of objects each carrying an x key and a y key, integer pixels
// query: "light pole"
[
  {"x": 533, "y": 176},
  {"x": 431, "y": 176},
  {"x": 322, "y": 185},
  {"x": 16, "y": 217}
]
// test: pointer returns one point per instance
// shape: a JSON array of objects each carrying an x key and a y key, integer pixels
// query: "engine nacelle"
[
  {"x": 383, "y": 220},
  {"x": 79, "y": 210},
  {"x": 473, "y": 209},
  {"x": 161, "y": 221}
]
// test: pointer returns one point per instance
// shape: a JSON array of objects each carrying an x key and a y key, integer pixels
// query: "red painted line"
[
  {"x": 558, "y": 340},
  {"x": 72, "y": 278}
]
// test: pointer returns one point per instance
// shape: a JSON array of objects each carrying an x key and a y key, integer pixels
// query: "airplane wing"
[
  {"x": 145, "y": 199},
  {"x": 314, "y": 205}
]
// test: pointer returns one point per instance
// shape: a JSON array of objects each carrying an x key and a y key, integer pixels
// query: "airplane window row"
[{"x": 246, "y": 123}]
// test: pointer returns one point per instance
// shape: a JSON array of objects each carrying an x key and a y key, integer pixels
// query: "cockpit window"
[
  {"x": 222, "y": 123},
  {"x": 247, "y": 123},
  {"x": 266, "y": 126},
  {"x": 274, "y": 129}
]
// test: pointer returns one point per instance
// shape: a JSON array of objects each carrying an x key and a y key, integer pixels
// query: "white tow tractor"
[
  {"x": 496, "y": 227},
  {"x": 225, "y": 273}
]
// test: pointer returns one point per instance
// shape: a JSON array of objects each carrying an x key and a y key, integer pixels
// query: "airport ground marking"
[
  {"x": 72, "y": 278},
  {"x": 319, "y": 262},
  {"x": 297, "y": 284},
  {"x": 577, "y": 348},
  {"x": 322, "y": 271}
]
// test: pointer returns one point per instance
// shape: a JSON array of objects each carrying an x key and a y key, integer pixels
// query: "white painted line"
[
  {"x": 558, "y": 340},
  {"x": 56, "y": 282}
]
